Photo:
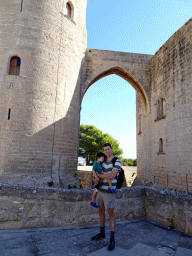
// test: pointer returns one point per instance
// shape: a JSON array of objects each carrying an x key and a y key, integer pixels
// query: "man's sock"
[
  {"x": 102, "y": 230},
  {"x": 112, "y": 235}
]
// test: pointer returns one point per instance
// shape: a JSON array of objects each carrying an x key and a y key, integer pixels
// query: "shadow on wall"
[
  {"x": 40, "y": 141},
  {"x": 49, "y": 156}
]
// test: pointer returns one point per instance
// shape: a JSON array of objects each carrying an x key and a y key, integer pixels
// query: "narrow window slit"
[
  {"x": 69, "y": 10},
  {"x": 139, "y": 124},
  {"x": 21, "y": 5},
  {"x": 15, "y": 65},
  {"x": 9, "y": 114},
  {"x": 160, "y": 145}
]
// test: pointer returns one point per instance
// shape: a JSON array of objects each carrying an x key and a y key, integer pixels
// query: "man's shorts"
[{"x": 105, "y": 199}]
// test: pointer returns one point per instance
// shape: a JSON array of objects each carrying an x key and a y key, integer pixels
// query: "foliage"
[
  {"x": 129, "y": 162},
  {"x": 117, "y": 151},
  {"x": 91, "y": 141}
]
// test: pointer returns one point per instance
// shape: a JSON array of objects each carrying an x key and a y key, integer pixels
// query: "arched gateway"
[
  {"x": 135, "y": 69},
  {"x": 132, "y": 67}
]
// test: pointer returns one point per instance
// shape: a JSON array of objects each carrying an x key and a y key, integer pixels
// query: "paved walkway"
[{"x": 133, "y": 238}]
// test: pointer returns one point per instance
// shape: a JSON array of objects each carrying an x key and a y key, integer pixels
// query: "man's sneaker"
[
  {"x": 111, "y": 246},
  {"x": 98, "y": 236}
]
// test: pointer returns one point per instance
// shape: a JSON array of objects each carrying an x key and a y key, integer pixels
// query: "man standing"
[{"x": 105, "y": 199}]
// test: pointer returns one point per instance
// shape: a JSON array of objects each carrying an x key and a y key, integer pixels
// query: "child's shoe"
[
  {"x": 93, "y": 204},
  {"x": 112, "y": 190}
]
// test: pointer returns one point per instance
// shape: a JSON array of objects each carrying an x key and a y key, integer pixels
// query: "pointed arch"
[{"x": 126, "y": 75}]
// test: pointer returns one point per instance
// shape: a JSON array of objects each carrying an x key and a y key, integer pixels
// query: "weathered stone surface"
[
  {"x": 170, "y": 118},
  {"x": 171, "y": 209},
  {"x": 137, "y": 238},
  {"x": 39, "y": 142},
  {"x": 42, "y": 207}
]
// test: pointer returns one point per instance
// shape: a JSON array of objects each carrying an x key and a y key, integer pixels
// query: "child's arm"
[
  {"x": 94, "y": 173},
  {"x": 95, "y": 177}
]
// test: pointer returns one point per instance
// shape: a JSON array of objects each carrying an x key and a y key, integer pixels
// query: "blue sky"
[{"x": 127, "y": 26}]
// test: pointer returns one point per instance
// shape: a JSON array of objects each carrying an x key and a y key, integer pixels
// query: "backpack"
[{"x": 121, "y": 176}]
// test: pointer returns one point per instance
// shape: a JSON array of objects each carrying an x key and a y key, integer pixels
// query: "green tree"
[
  {"x": 91, "y": 141},
  {"x": 129, "y": 161},
  {"x": 117, "y": 151}
]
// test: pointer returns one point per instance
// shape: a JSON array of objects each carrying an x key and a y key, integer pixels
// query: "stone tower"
[{"x": 42, "y": 46}]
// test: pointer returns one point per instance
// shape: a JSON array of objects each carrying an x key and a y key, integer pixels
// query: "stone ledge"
[
  {"x": 168, "y": 195},
  {"x": 69, "y": 195}
]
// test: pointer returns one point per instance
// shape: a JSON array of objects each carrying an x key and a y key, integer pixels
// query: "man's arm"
[{"x": 108, "y": 176}]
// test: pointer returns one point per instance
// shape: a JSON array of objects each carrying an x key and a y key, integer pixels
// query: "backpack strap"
[{"x": 114, "y": 160}]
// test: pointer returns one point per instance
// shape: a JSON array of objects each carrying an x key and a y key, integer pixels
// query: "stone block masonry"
[
  {"x": 134, "y": 68},
  {"x": 168, "y": 165},
  {"x": 24, "y": 207},
  {"x": 39, "y": 142},
  {"x": 171, "y": 209},
  {"x": 40, "y": 104},
  {"x": 27, "y": 207}
]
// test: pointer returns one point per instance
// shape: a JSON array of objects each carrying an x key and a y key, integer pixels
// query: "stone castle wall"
[
  {"x": 171, "y": 85},
  {"x": 40, "y": 141}
]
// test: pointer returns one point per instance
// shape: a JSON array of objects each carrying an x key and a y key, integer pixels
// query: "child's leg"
[
  {"x": 93, "y": 202},
  {"x": 94, "y": 195},
  {"x": 109, "y": 183},
  {"x": 110, "y": 189}
]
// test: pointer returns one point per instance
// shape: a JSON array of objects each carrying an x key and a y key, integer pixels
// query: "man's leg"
[
  {"x": 112, "y": 219},
  {"x": 112, "y": 228},
  {"x": 101, "y": 218}
]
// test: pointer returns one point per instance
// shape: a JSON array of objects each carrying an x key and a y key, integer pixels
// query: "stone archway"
[{"x": 134, "y": 68}]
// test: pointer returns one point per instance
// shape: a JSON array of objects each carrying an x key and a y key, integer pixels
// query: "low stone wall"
[
  {"x": 172, "y": 209},
  {"x": 85, "y": 175},
  {"x": 25, "y": 207}
]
